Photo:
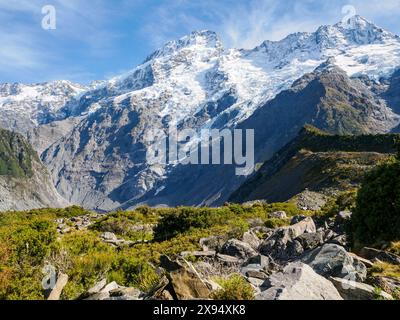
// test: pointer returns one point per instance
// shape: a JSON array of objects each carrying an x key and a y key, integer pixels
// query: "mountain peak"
[{"x": 199, "y": 39}]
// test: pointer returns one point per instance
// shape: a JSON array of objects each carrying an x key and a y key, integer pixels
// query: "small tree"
[{"x": 376, "y": 217}]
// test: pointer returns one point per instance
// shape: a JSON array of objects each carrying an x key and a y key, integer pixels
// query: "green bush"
[
  {"x": 376, "y": 218},
  {"x": 234, "y": 288}
]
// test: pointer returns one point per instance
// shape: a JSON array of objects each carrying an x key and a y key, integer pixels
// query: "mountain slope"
[
  {"x": 95, "y": 146},
  {"x": 194, "y": 83},
  {"x": 23, "y": 107},
  {"x": 318, "y": 162},
  {"x": 24, "y": 181}
]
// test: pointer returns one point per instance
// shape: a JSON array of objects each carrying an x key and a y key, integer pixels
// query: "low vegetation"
[
  {"x": 234, "y": 288},
  {"x": 376, "y": 218}
]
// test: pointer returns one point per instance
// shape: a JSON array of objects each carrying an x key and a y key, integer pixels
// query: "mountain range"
[{"x": 340, "y": 79}]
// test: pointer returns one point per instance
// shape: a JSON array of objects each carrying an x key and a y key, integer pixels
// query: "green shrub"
[
  {"x": 274, "y": 223},
  {"x": 376, "y": 217},
  {"x": 234, "y": 288}
]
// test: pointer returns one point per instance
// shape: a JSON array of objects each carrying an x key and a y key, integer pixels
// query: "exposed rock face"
[
  {"x": 333, "y": 260},
  {"x": 24, "y": 182},
  {"x": 298, "y": 282},
  {"x": 275, "y": 89}
]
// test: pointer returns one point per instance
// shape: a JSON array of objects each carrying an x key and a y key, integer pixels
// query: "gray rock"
[
  {"x": 97, "y": 287},
  {"x": 109, "y": 236},
  {"x": 110, "y": 287},
  {"x": 298, "y": 282},
  {"x": 333, "y": 260},
  {"x": 351, "y": 290},
  {"x": 227, "y": 259},
  {"x": 278, "y": 215},
  {"x": 199, "y": 254},
  {"x": 251, "y": 238},
  {"x": 213, "y": 243},
  {"x": 239, "y": 249},
  {"x": 297, "y": 219},
  {"x": 126, "y": 294},
  {"x": 310, "y": 240},
  {"x": 281, "y": 244}
]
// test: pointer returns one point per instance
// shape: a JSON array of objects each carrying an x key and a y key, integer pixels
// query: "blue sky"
[{"x": 98, "y": 39}]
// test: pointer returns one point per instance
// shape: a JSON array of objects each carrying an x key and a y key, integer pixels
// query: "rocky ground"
[{"x": 303, "y": 261}]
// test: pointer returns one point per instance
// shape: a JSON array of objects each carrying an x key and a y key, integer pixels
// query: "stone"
[
  {"x": 343, "y": 216},
  {"x": 227, "y": 259},
  {"x": 239, "y": 249},
  {"x": 98, "y": 296},
  {"x": 310, "y": 240},
  {"x": 251, "y": 238},
  {"x": 281, "y": 246},
  {"x": 199, "y": 254},
  {"x": 213, "y": 243},
  {"x": 332, "y": 260},
  {"x": 298, "y": 281},
  {"x": 368, "y": 263},
  {"x": 56, "y": 292},
  {"x": 97, "y": 287},
  {"x": 351, "y": 290},
  {"x": 256, "y": 274},
  {"x": 126, "y": 293},
  {"x": 371, "y": 254},
  {"x": 185, "y": 280},
  {"x": 109, "y": 236},
  {"x": 278, "y": 215},
  {"x": 262, "y": 261},
  {"x": 297, "y": 219},
  {"x": 340, "y": 240},
  {"x": 110, "y": 287}
]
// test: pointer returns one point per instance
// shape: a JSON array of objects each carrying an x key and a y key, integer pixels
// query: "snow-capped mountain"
[
  {"x": 194, "y": 82},
  {"x": 23, "y": 107}
]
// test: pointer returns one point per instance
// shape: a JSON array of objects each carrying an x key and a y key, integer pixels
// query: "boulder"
[
  {"x": 278, "y": 215},
  {"x": 97, "y": 287},
  {"x": 311, "y": 240},
  {"x": 251, "y": 238},
  {"x": 185, "y": 280},
  {"x": 298, "y": 282},
  {"x": 213, "y": 243},
  {"x": 227, "y": 259},
  {"x": 375, "y": 254},
  {"x": 110, "y": 287},
  {"x": 239, "y": 249},
  {"x": 332, "y": 260},
  {"x": 297, "y": 219},
  {"x": 56, "y": 292},
  {"x": 351, "y": 290},
  {"x": 109, "y": 236},
  {"x": 281, "y": 244}
]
